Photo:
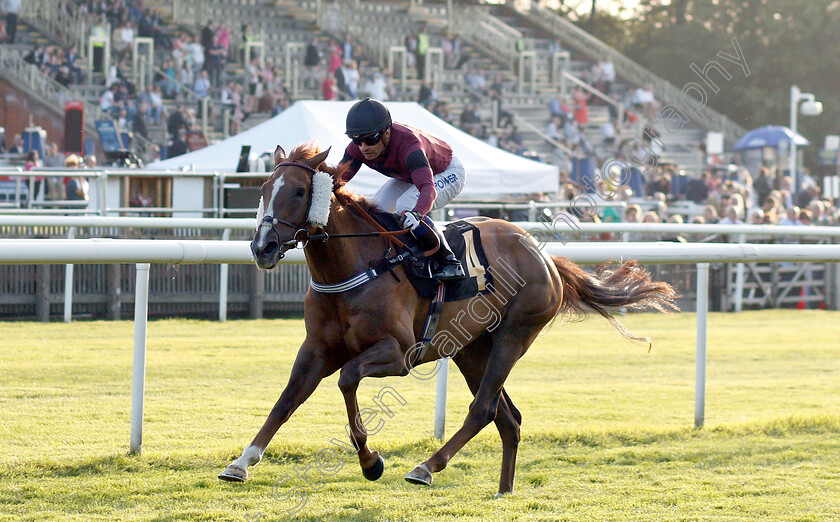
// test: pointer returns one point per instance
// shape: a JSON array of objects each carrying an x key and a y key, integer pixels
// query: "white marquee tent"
[{"x": 490, "y": 171}]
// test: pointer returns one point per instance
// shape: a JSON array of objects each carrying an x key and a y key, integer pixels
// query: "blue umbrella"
[{"x": 768, "y": 136}]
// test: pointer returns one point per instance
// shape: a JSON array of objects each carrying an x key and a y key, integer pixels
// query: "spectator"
[
  {"x": 791, "y": 218},
  {"x": 427, "y": 94},
  {"x": 755, "y": 216},
  {"x": 696, "y": 190},
  {"x": 511, "y": 141},
  {"x": 215, "y": 61},
  {"x": 36, "y": 56},
  {"x": 202, "y": 86},
  {"x": 377, "y": 87},
  {"x": 581, "y": 110},
  {"x": 179, "y": 51},
  {"x": 423, "y": 44},
  {"x": 475, "y": 81},
  {"x": 99, "y": 31},
  {"x": 176, "y": 121},
  {"x": 347, "y": 49},
  {"x": 335, "y": 53},
  {"x": 138, "y": 123},
  {"x": 632, "y": 214},
  {"x": 710, "y": 214},
  {"x": 650, "y": 217},
  {"x": 186, "y": 75},
  {"x": 732, "y": 216},
  {"x": 804, "y": 197},
  {"x": 208, "y": 31},
  {"x": 76, "y": 188},
  {"x": 554, "y": 130},
  {"x": 124, "y": 40},
  {"x": 607, "y": 74},
  {"x": 179, "y": 144},
  {"x": 17, "y": 145},
  {"x": 248, "y": 35},
  {"x": 351, "y": 78},
  {"x": 311, "y": 61},
  {"x": 806, "y": 218},
  {"x": 470, "y": 120},
  {"x": 761, "y": 185},
  {"x": 328, "y": 88},
  {"x": 252, "y": 73},
  {"x": 223, "y": 34},
  {"x": 11, "y": 8},
  {"x": 644, "y": 99},
  {"x": 195, "y": 53}
]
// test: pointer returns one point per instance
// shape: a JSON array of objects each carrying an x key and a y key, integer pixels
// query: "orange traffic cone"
[{"x": 801, "y": 304}]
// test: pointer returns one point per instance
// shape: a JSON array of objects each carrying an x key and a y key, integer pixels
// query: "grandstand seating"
[{"x": 376, "y": 26}]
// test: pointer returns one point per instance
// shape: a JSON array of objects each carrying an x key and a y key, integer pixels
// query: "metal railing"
[
  {"x": 595, "y": 49},
  {"x": 58, "y": 18},
  {"x": 34, "y": 82}
]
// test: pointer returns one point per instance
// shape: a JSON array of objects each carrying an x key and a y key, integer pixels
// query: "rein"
[
  {"x": 323, "y": 236},
  {"x": 381, "y": 232}
]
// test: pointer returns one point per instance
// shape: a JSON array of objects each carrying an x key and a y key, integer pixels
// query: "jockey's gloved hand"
[{"x": 411, "y": 219}]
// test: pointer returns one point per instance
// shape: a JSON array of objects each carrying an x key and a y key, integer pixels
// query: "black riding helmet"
[{"x": 366, "y": 117}]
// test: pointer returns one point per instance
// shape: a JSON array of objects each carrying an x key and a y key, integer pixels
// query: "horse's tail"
[{"x": 610, "y": 288}]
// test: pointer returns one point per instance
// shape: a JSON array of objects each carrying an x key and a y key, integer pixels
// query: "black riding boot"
[{"x": 448, "y": 266}]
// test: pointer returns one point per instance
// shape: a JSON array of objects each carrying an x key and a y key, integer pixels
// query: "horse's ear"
[
  {"x": 319, "y": 158},
  {"x": 279, "y": 155}
]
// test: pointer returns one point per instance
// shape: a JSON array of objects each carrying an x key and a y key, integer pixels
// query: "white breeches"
[{"x": 396, "y": 196}]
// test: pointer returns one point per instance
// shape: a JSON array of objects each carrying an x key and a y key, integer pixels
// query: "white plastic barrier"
[{"x": 142, "y": 252}]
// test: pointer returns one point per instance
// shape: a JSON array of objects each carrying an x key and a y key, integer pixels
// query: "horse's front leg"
[
  {"x": 383, "y": 359},
  {"x": 310, "y": 367}
]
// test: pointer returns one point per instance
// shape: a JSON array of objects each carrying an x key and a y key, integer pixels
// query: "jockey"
[{"x": 425, "y": 174}]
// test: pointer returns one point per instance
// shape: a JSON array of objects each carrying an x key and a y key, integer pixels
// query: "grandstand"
[{"x": 496, "y": 70}]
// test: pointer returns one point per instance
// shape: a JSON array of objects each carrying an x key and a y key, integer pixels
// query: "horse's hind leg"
[
  {"x": 383, "y": 359},
  {"x": 507, "y": 348},
  {"x": 472, "y": 361}
]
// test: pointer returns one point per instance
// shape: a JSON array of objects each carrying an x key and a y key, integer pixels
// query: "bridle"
[
  {"x": 299, "y": 229},
  {"x": 302, "y": 234}
]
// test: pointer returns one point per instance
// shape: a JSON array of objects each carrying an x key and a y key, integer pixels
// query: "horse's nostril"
[{"x": 271, "y": 248}]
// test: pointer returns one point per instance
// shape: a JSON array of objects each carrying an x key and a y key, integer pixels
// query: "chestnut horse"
[{"x": 371, "y": 330}]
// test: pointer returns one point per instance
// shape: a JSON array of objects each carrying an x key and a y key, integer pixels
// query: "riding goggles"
[{"x": 370, "y": 139}]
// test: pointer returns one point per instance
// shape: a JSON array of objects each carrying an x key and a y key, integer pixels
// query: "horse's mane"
[{"x": 305, "y": 151}]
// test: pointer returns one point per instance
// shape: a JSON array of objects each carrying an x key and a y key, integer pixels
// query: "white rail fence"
[
  {"x": 144, "y": 252},
  {"x": 548, "y": 231}
]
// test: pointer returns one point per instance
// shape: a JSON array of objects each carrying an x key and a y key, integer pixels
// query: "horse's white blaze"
[
  {"x": 260, "y": 213},
  {"x": 252, "y": 455},
  {"x": 266, "y": 209},
  {"x": 278, "y": 184}
]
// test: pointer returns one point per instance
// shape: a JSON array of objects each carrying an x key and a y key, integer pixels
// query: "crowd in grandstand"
[{"x": 195, "y": 65}]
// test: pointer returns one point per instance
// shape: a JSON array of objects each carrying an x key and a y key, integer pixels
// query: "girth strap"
[
  {"x": 358, "y": 280},
  {"x": 429, "y": 329}
]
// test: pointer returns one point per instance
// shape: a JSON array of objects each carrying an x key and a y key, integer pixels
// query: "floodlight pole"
[
  {"x": 794, "y": 105},
  {"x": 797, "y": 96}
]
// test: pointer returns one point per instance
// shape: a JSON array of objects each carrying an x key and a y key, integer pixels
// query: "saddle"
[{"x": 465, "y": 240}]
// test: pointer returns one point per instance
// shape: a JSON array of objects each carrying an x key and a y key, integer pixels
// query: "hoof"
[
  {"x": 375, "y": 471},
  {"x": 234, "y": 474},
  {"x": 420, "y": 475},
  {"x": 502, "y": 495}
]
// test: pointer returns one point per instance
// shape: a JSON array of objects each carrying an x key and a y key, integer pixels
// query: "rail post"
[
  {"x": 440, "y": 398},
  {"x": 138, "y": 382},
  {"x": 700, "y": 365}
]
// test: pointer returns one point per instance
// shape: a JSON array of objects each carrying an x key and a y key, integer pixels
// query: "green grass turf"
[{"x": 607, "y": 428}]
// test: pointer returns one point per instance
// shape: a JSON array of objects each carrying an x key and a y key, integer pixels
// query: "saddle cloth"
[{"x": 465, "y": 240}]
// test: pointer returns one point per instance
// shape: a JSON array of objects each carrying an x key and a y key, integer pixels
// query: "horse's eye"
[{"x": 300, "y": 192}]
